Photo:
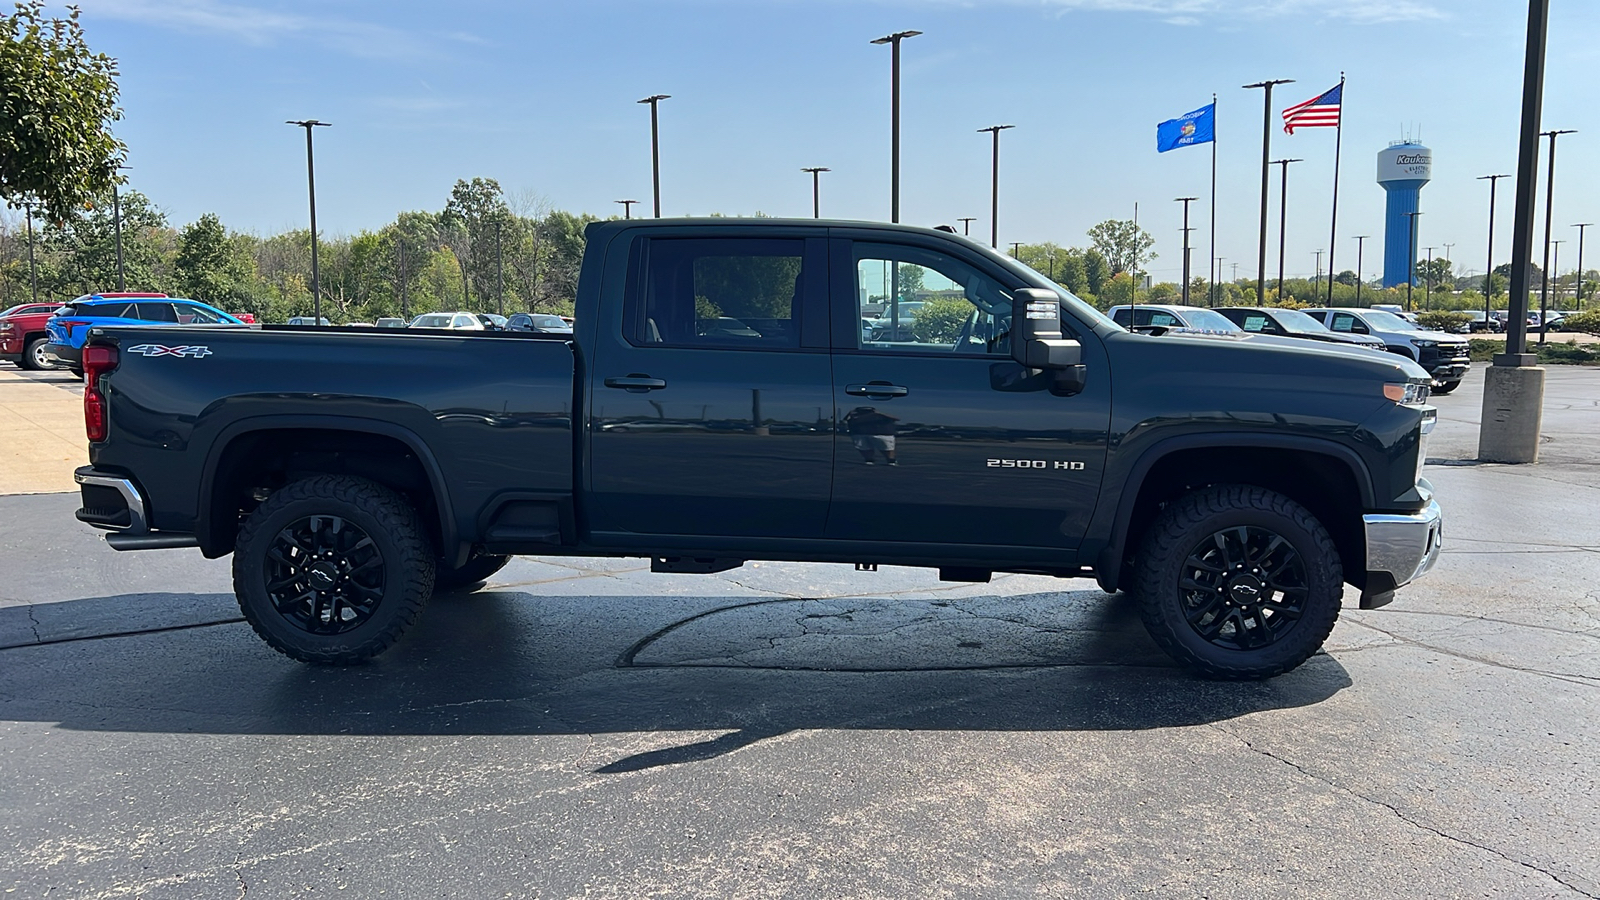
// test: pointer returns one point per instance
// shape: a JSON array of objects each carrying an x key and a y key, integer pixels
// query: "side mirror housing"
[{"x": 1036, "y": 340}]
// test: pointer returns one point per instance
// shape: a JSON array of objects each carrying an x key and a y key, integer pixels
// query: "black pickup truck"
[{"x": 720, "y": 402}]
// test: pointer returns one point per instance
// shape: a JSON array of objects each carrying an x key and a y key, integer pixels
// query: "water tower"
[{"x": 1403, "y": 168}]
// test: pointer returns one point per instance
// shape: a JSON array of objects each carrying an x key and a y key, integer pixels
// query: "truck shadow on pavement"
[{"x": 510, "y": 663}]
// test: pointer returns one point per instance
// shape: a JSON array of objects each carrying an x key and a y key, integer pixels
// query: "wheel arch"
[
  {"x": 278, "y": 443},
  {"x": 1326, "y": 477}
]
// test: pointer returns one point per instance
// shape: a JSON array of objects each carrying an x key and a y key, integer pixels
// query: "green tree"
[
  {"x": 1097, "y": 271},
  {"x": 58, "y": 99},
  {"x": 474, "y": 223},
  {"x": 941, "y": 319},
  {"x": 1123, "y": 244},
  {"x": 82, "y": 249},
  {"x": 209, "y": 268}
]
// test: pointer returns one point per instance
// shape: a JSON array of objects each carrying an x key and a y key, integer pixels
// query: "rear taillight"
[
  {"x": 70, "y": 324},
  {"x": 97, "y": 360}
]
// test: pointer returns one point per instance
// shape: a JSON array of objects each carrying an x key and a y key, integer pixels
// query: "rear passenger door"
[{"x": 709, "y": 400}]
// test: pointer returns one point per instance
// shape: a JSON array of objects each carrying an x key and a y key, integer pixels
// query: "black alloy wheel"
[
  {"x": 333, "y": 569},
  {"x": 1244, "y": 587},
  {"x": 1238, "y": 582},
  {"x": 324, "y": 574}
]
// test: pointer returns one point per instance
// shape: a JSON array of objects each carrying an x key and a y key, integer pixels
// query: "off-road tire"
[
  {"x": 1446, "y": 387},
  {"x": 1167, "y": 556},
  {"x": 406, "y": 560},
  {"x": 475, "y": 571},
  {"x": 33, "y": 358}
]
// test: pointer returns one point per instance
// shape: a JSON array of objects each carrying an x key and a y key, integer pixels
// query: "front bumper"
[{"x": 1400, "y": 549}]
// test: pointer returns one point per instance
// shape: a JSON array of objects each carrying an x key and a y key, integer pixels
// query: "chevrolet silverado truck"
[{"x": 720, "y": 402}]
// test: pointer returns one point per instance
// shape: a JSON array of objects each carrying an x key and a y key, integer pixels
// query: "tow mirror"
[{"x": 1037, "y": 342}]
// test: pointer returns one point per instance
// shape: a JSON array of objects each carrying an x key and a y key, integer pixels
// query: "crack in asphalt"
[
  {"x": 1397, "y": 813},
  {"x": 40, "y": 642},
  {"x": 1567, "y": 677},
  {"x": 33, "y": 622}
]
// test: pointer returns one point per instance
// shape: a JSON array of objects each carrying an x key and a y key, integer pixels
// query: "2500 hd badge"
[{"x": 1036, "y": 464}]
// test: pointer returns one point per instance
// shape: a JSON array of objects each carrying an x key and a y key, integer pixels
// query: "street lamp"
[
  {"x": 655, "y": 147},
  {"x": 1555, "y": 266},
  {"x": 1016, "y": 249},
  {"x": 311, "y": 184},
  {"x": 1283, "y": 215},
  {"x": 1266, "y": 154},
  {"x": 966, "y": 225},
  {"x": 1488, "y": 274},
  {"x": 116, "y": 219},
  {"x": 894, "y": 118},
  {"x": 1549, "y": 212},
  {"x": 33, "y": 267},
  {"x": 1316, "y": 274},
  {"x": 1427, "y": 281},
  {"x": 627, "y": 207},
  {"x": 1411, "y": 256},
  {"x": 1579, "y": 295},
  {"x": 1186, "y": 229},
  {"x": 1361, "y": 246},
  {"x": 816, "y": 189},
  {"x": 994, "y": 190}
]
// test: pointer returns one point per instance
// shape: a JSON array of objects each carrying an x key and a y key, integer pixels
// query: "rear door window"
[
  {"x": 719, "y": 292},
  {"x": 100, "y": 311},
  {"x": 189, "y": 314},
  {"x": 1345, "y": 323},
  {"x": 155, "y": 312}
]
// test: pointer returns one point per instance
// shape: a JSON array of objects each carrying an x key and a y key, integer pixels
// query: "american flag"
[{"x": 1321, "y": 111}]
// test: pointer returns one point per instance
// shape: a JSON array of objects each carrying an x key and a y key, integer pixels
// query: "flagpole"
[
  {"x": 1333, "y": 227},
  {"x": 1211, "y": 262}
]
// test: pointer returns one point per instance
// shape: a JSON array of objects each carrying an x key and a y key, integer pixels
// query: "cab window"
[
  {"x": 196, "y": 315},
  {"x": 912, "y": 299},
  {"x": 155, "y": 312},
  {"x": 718, "y": 292}
]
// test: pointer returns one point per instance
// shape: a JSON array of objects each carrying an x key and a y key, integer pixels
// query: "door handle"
[
  {"x": 636, "y": 383},
  {"x": 877, "y": 390}
]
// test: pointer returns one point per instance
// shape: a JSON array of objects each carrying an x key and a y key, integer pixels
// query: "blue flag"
[{"x": 1198, "y": 127}]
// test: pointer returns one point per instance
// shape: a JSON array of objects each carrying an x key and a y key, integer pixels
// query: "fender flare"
[
  {"x": 449, "y": 533},
  {"x": 1108, "y": 562}
]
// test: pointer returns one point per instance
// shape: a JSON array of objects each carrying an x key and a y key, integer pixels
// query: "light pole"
[
  {"x": 1283, "y": 215},
  {"x": 1411, "y": 256},
  {"x": 994, "y": 188},
  {"x": 966, "y": 225},
  {"x": 1549, "y": 212},
  {"x": 1488, "y": 274},
  {"x": 1361, "y": 246},
  {"x": 894, "y": 118},
  {"x": 311, "y": 186},
  {"x": 816, "y": 189},
  {"x": 655, "y": 146},
  {"x": 1016, "y": 249},
  {"x": 627, "y": 207},
  {"x": 1316, "y": 274},
  {"x": 116, "y": 219},
  {"x": 1186, "y": 229},
  {"x": 499, "y": 272},
  {"x": 1427, "y": 281},
  {"x": 1578, "y": 296},
  {"x": 1266, "y": 154}
]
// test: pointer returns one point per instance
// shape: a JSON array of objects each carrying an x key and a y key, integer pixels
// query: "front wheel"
[
  {"x": 1446, "y": 387},
  {"x": 1238, "y": 582},
  {"x": 332, "y": 569}
]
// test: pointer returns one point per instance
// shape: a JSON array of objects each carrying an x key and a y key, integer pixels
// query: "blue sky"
[{"x": 541, "y": 97}]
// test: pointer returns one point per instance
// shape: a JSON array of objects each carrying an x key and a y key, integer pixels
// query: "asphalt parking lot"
[{"x": 585, "y": 728}]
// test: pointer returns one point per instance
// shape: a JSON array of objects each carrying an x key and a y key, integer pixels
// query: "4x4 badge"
[{"x": 191, "y": 351}]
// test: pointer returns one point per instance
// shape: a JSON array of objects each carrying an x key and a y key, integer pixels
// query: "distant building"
[{"x": 1403, "y": 168}]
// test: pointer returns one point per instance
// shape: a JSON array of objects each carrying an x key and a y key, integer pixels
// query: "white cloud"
[{"x": 260, "y": 26}]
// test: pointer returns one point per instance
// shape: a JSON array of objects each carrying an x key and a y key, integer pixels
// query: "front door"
[
  {"x": 710, "y": 403},
  {"x": 942, "y": 439}
]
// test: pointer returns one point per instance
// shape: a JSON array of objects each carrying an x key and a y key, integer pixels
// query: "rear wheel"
[
  {"x": 1446, "y": 387},
  {"x": 332, "y": 569},
  {"x": 476, "y": 570},
  {"x": 1238, "y": 582},
  {"x": 33, "y": 355}
]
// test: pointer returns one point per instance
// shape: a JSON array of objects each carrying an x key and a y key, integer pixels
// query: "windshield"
[
  {"x": 1296, "y": 322},
  {"x": 1382, "y": 321},
  {"x": 1083, "y": 310},
  {"x": 1209, "y": 320}
]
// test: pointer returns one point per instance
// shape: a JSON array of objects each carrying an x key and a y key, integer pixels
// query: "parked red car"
[{"x": 22, "y": 334}]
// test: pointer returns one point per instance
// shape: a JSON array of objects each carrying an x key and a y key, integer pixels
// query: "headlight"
[
  {"x": 1407, "y": 393},
  {"x": 6, "y": 326},
  {"x": 1424, "y": 344}
]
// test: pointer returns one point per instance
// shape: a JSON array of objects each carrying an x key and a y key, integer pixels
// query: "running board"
[
  {"x": 151, "y": 541},
  {"x": 693, "y": 565}
]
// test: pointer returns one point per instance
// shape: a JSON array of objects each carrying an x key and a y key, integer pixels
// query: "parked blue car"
[{"x": 69, "y": 327}]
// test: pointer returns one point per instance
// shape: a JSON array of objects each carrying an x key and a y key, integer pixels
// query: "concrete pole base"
[{"x": 1513, "y": 411}]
